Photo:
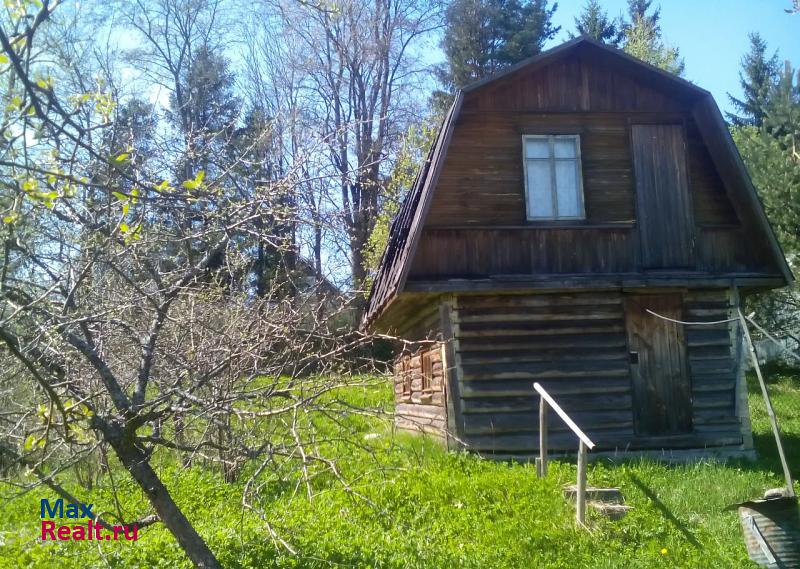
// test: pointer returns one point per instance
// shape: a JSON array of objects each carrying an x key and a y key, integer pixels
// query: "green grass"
[{"x": 427, "y": 508}]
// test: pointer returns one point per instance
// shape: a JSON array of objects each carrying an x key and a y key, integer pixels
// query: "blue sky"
[{"x": 711, "y": 35}]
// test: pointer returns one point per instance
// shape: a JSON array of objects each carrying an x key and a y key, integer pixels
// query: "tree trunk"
[
  {"x": 359, "y": 303},
  {"x": 261, "y": 270},
  {"x": 318, "y": 251},
  {"x": 361, "y": 224},
  {"x": 357, "y": 263},
  {"x": 136, "y": 463},
  {"x": 179, "y": 425}
]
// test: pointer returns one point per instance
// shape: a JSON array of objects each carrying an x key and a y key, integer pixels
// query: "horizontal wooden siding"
[{"x": 575, "y": 345}]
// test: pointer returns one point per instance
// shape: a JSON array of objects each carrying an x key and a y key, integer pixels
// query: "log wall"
[
  {"x": 575, "y": 345},
  {"x": 714, "y": 364},
  {"x": 419, "y": 379}
]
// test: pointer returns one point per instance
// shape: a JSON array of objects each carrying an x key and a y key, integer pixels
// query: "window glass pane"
[
  {"x": 537, "y": 148},
  {"x": 566, "y": 148},
  {"x": 567, "y": 188},
  {"x": 540, "y": 195}
]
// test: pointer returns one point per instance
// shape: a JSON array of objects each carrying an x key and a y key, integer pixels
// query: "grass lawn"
[{"x": 427, "y": 508}]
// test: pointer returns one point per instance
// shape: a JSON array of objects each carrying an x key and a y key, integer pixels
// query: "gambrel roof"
[{"x": 406, "y": 228}]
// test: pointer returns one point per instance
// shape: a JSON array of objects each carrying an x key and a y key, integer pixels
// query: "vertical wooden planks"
[
  {"x": 666, "y": 227},
  {"x": 661, "y": 387},
  {"x": 419, "y": 390}
]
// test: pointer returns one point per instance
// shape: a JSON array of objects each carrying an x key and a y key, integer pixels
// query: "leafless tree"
[
  {"x": 107, "y": 333},
  {"x": 354, "y": 65}
]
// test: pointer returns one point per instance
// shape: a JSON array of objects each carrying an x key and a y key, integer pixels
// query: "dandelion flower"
[{"x": 664, "y": 551}]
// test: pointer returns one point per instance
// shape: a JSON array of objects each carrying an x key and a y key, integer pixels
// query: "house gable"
[{"x": 465, "y": 218}]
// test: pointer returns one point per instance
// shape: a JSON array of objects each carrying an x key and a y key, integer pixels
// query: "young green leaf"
[{"x": 196, "y": 183}]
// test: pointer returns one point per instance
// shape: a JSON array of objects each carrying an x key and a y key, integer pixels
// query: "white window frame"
[{"x": 551, "y": 138}]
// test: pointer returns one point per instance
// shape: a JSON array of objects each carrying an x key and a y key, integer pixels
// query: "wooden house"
[{"x": 574, "y": 212}]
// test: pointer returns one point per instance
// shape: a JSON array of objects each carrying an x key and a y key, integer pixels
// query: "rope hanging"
[
  {"x": 657, "y": 315},
  {"x": 729, "y": 320}
]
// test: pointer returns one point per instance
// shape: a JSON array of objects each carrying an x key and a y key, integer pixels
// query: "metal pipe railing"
[{"x": 584, "y": 443}]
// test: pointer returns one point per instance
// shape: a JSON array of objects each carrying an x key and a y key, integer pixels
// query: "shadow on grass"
[
  {"x": 661, "y": 507},
  {"x": 767, "y": 453},
  {"x": 783, "y": 384},
  {"x": 775, "y": 372}
]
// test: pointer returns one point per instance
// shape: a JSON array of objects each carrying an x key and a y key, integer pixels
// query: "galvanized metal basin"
[{"x": 772, "y": 531}]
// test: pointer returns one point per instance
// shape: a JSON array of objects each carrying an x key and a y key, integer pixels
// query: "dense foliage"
[
  {"x": 486, "y": 36},
  {"x": 757, "y": 80},
  {"x": 639, "y": 34},
  {"x": 412, "y": 505},
  {"x": 178, "y": 209},
  {"x": 766, "y": 131},
  {"x": 593, "y": 21}
]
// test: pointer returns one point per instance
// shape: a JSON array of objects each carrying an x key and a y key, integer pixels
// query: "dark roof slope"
[{"x": 404, "y": 230}]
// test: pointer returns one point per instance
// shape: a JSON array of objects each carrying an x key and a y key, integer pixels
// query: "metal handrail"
[
  {"x": 563, "y": 414},
  {"x": 584, "y": 442}
]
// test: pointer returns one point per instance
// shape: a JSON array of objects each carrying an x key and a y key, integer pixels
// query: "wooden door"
[
  {"x": 665, "y": 222},
  {"x": 661, "y": 391}
]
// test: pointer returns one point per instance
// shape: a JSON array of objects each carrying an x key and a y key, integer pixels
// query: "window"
[
  {"x": 553, "y": 185},
  {"x": 427, "y": 371}
]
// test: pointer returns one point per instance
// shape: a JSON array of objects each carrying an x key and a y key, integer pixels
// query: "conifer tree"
[
  {"x": 758, "y": 78},
  {"x": 642, "y": 38},
  {"x": 204, "y": 110},
  {"x": 782, "y": 110},
  {"x": 637, "y": 10},
  {"x": 594, "y": 22},
  {"x": 483, "y": 37}
]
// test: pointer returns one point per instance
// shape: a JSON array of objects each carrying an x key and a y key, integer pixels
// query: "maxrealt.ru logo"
[{"x": 89, "y": 531}]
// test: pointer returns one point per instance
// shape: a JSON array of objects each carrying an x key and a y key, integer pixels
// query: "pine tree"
[
  {"x": 772, "y": 156},
  {"x": 644, "y": 42},
  {"x": 637, "y": 10},
  {"x": 782, "y": 111},
  {"x": 642, "y": 38},
  {"x": 529, "y": 26},
  {"x": 758, "y": 78},
  {"x": 204, "y": 111},
  {"x": 483, "y": 37},
  {"x": 253, "y": 150},
  {"x": 594, "y": 22}
]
